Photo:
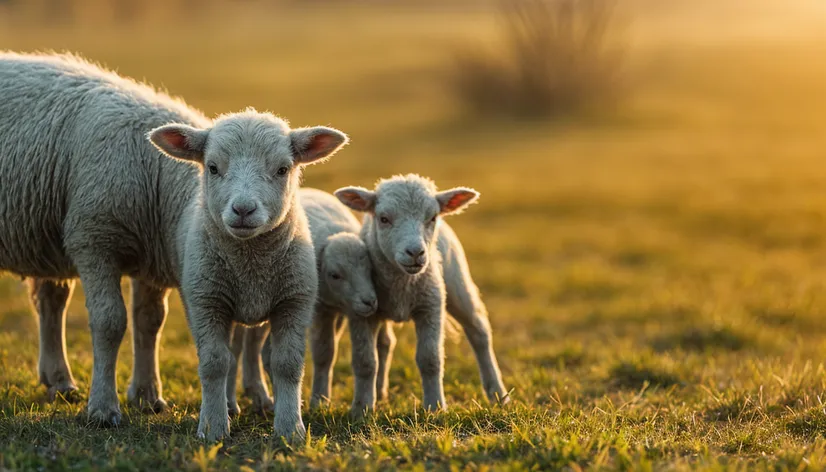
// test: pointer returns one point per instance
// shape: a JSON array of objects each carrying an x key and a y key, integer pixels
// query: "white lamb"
[
  {"x": 84, "y": 194},
  {"x": 420, "y": 270},
  {"x": 345, "y": 290}
]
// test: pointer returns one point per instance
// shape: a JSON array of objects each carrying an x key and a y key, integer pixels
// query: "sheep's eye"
[
  {"x": 384, "y": 220},
  {"x": 433, "y": 220},
  {"x": 335, "y": 276},
  {"x": 213, "y": 169},
  {"x": 283, "y": 171}
]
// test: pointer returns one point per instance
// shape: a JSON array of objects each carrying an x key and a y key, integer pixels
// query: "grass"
[{"x": 654, "y": 276}]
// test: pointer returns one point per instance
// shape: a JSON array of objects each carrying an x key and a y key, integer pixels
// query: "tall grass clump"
[{"x": 556, "y": 57}]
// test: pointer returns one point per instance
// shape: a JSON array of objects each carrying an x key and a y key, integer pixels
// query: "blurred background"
[{"x": 652, "y": 171}]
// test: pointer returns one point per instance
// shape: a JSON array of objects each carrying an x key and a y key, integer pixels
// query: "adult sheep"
[
  {"x": 86, "y": 195},
  {"x": 420, "y": 272},
  {"x": 345, "y": 291}
]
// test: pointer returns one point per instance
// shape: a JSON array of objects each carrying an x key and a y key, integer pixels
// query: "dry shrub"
[{"x": 557, "y": 57}]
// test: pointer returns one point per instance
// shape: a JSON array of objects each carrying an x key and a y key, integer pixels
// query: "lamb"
[
  {"x": 420, "y": 271},
  {"x": 87, "y": 196},
  {"x": 345, "y": 290}
]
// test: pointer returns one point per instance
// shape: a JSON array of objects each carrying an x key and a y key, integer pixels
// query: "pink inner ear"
[
  {"x": 175, "y": 139},
  {"x": 355, "y": 200},
  {"x": 458, "y": 200},
  {"x": 319, "y": 144}
]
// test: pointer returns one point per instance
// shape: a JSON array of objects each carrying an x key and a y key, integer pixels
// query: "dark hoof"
[
  {"x": 233, "y": 409},
  {"x": 319, "y": 402},
  {"x": 110, "y": 419},
  {"x": 156, "y": 406},
  {"x": 146, "y": 399},
  {"x": 262, "y": 405},
  {"x": 359, "y": 412},
  {"x": 66, "y": 392},
  {"x": 499, "y": 398}
]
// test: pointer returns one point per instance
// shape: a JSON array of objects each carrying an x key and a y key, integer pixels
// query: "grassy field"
[{"x": 655, "y": 275}]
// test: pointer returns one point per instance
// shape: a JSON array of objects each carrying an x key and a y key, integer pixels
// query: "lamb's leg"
[
  {"x": 430, "y": 358},
  {"x": 212, "y": 337},
  {"x": 467, "y": 308},
  {"x": 340, "y": 323},
  {"x": 107, "y": 320},
  {"x": 149, "y": 310},
  {"x": 237, "y": 334},
  {"x": 50, "y": 299},
  {"x": 363, "y": 333},
  {"x": 266, "y": 358},
  {"x": 287, "y": 339},
  {"x": 385, "y": 343},
  {"x": 324, "y": 344},
  {"x": 254, "y": 386}
]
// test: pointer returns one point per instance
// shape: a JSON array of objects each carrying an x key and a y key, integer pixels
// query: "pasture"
[{"x": 655, "y": 273}]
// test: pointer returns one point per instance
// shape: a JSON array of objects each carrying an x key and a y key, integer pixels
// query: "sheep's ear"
[
  {"x": 312, "y": 145},
  {"x": 357, "y": 198},
  {"x": 455, "y": 200},
  {"x": 180, "y": 141}
]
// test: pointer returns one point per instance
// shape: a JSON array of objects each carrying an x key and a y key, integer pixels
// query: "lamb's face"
[
  {"x": 405, "y": 214},
  {"x": 405, "y": 220},
  {"x": 252, "y": 166},
  {"x": 250, "y": 176},
  {"x": 346, "y": 276}
]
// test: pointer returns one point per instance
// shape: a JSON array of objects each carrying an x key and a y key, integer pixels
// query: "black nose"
[
  {"x": 244, "y": 208},
  {"x": 414, "y": 252},
  {"x": 371, "y": 302}
]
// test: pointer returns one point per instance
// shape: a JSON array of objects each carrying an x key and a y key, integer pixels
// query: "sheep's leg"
[
  {"x": 237, "y": 333},
  {"x": 470, "y": 312},
  {"x": 51, "y": 299},
  {"x": 287, "y": 339},
  {"x": 266, "y": 357},
  {"x": 430, "y": 358},
  {"x": 385, "y": 343},
  {"x": 340, "y": 323},
  {"x": 107, "y": 320},
  {"x": 363, "y": 332},
  {"x": 324, "y": 344},
  {"x": 212, "y": 337},
  {"x": 254, "y": 386},
  {"x": 149, "y": 310}
]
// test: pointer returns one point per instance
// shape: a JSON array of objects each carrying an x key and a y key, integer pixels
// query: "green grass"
[{"x": 654, "y": 274}]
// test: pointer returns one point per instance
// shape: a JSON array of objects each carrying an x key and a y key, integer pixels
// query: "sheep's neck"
[{"x": 398, "y": 292}]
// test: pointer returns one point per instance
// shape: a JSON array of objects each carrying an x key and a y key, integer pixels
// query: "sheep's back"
[
  {"x": 77, "y": 171},
  {"x": 326, "y": 215}
]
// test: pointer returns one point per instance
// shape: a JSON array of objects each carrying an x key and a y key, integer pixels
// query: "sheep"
[
  {"x": 345, "y": 288},
  {"x": 86, "y": 195},
  {"x": 149, "y": 306},
  {"x": 420, "y": 271}
]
